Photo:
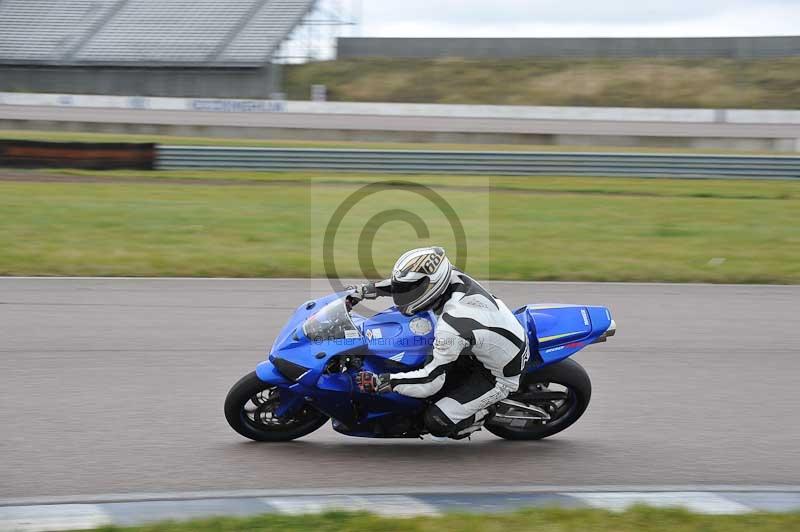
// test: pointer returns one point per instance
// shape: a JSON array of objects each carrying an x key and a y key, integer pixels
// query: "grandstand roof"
[{"x": 232, "y": 33}]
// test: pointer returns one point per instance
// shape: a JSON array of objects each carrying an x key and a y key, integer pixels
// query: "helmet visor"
[{"x": 406, "y": 293}]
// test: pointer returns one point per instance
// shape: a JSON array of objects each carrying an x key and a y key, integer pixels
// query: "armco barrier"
[
  {"x": 96, "y": 156},
  {"x": 476, "y": 162}
]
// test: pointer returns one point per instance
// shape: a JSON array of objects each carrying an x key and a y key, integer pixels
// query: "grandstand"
[
  {"x": 103, "y": 39},
  {"x": 146, "y": 32}
]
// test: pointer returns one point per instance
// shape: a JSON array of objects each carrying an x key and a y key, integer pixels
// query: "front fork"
[
  {"x": 331, "y": 394},
  {"x": 290, "y": 401}
]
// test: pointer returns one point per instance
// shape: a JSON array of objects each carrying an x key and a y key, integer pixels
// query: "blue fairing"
[
  {"x": 391, "y": 342},
  {"x": 560, "y": 331},
  {"x": 389, "y": 336}
]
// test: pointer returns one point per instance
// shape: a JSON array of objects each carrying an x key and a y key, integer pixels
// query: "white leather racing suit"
[{"x": 469, "y": 321}]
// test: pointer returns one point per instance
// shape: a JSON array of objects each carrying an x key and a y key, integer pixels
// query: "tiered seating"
[
  {"x": 146, "y": 32},
  {"x": 262, "y": 36},
  {"x": 45, "y": 30},
  {"x": 166, "y": 31}
]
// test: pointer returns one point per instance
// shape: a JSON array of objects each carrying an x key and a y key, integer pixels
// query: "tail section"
[{"x": 559, "y": 331}]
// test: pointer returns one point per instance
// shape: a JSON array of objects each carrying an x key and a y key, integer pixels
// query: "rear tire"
[
  {"x": 568, "y": 374},
  {"x": 258, "y": 423}
]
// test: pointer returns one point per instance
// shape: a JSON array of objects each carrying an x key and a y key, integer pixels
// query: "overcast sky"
[{"x": 577, "y": 18}]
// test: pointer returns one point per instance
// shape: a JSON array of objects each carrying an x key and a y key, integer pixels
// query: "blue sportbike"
[{"x": 309, "y": 375}]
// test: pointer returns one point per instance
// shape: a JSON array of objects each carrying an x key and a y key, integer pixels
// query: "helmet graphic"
[{"x": 419, "y": 278}]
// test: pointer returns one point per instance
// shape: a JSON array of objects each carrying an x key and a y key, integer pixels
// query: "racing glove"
[
  {"x": 360, "y": 292},
  {"x": 369, "y": 382},
  {"x": 368, "y": 291}
]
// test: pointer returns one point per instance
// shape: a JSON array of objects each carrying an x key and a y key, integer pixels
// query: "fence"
[
  {"x": 609, "y": 47},
  {"x": 477, "y": 162}
]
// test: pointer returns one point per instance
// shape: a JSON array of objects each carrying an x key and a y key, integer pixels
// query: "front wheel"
[
  {"x": 250, "y": 411},
  {"x": 561, "y": 392}
]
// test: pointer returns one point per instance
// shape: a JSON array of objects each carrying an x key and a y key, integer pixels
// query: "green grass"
[
  {"x": 535, "y": 520},
  {"x": 258, "y": 224},
  {"x": 708, "y": 83},
  {"x": 686, "y": 188}
]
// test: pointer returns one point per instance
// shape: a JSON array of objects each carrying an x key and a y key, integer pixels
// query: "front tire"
[
  {"x": 249, "y": 409},
  {"x": 565, "y": 406}
]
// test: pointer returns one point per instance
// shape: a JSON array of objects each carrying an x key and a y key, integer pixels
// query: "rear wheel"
[
  {"x": 250, "y": 411},
  {"x": 555, "y": 397}
]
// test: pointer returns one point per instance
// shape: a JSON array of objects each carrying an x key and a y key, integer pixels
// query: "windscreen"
[{"x": 331, "y": 322}]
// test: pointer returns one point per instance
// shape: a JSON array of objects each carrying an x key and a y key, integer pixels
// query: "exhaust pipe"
[{"x": 611, "y": 331}]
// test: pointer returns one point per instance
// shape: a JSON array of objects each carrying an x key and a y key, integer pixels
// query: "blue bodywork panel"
[
  {"x": 389, "y": 336},
  {"x": 560, "y": 331}
]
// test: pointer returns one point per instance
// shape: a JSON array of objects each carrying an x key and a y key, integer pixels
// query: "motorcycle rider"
[{"x": 469, "y": 321}]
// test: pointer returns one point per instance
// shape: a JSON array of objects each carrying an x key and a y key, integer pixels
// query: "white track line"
[
  {"x": 386, "y": 505},
  {"x": 285, "y": 279},
  {"x": 695, "y": 501},
  {"x": 54, "y": 517}
]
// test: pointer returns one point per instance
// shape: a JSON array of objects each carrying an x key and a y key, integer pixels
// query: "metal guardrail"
[{"x": 477, "y": 162}]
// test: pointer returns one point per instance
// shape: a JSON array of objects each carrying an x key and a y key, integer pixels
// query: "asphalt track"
[
  {"x": 116, "y": 386},
  {"x": 394, "y": 123}
]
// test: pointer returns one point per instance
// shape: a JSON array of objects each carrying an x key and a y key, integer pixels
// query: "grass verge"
[
  {"x": 242, "y": 224},
  {"x": 645, "y": 82},
  {"x": 535, "y": 520}
]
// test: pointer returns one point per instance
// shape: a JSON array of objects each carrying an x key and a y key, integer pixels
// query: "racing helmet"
[{"x": 419, "y": 278}]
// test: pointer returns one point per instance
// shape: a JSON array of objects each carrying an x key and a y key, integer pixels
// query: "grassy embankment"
[
  {"x": 521, "y": 228},
  {"x": 711, "y": 83},
  {"x": 534, "y": 520}
]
